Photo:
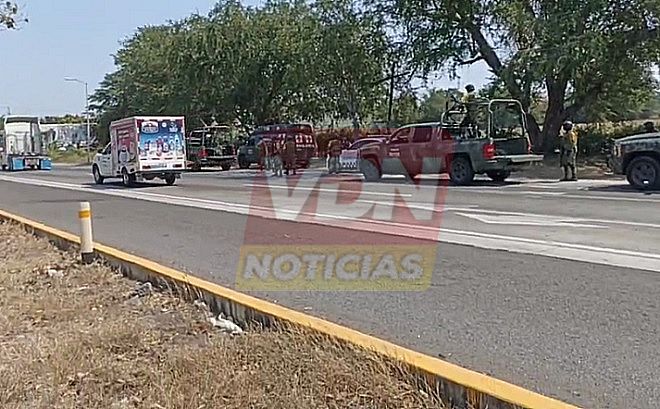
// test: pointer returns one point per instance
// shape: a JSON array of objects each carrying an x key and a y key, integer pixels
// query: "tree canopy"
[
  {"x": 10, "y": 16},
  {"x": 336, "y": 60},
  {"x": 592, "y": 57}
]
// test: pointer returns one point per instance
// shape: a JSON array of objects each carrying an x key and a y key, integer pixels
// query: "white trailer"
[
  {"x": 143, "y": 148},
  {"x": 22, "y": 145}
]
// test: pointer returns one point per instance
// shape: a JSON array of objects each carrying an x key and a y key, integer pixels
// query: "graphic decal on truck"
[{"x": 161, "y": 143}]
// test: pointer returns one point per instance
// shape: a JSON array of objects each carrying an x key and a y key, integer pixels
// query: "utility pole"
[{"x": 87, "y": 147}]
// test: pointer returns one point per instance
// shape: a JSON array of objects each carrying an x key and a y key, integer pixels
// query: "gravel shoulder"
[{"x": 74, "y": 335}]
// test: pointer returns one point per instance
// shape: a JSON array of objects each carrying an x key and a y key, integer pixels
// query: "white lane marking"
[
  {"x": 562, "y": 250},
  {"x": 529, "y": 220},
  {"x": 476, "y": 210},
  {"x": 359, "y": 192}
]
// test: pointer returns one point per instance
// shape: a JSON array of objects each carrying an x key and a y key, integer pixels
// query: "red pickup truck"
[{"x": 450, "y": 146}]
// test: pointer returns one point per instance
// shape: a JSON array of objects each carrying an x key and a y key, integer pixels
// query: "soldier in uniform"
[
  {"x": 568, "y": 151},
  {"x": 262, "y": 147},
  {"x": 289, "y": 155},
  {"x": 469, "y": 102},
  {"x": 276, "y": 158},
  {"x": 334, "y": 151}
]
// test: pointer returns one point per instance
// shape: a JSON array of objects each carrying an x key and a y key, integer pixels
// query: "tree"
[
  {"x": 10, "y": 16},
  {"x": 592, "y": 56}
]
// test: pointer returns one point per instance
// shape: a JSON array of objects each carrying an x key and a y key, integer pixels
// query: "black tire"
[
  {"x": 127, "y": 179},
  {"x": 98, "y": 179},
  {"x": 460, "y": 171},
  {"x": 225, "y": 166},
  {"x": 243, "y": 162},
  {"x": 196, "y": 167},
  {"x": 170, "y": 179},
  {"x": 4, "y": 167},
  {"x": 370, "y": 170},
  {"x": 499, "y": 175},
  {"x": 643, "y": 172}
]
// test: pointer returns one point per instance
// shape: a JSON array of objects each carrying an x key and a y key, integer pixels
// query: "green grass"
[{"x": 75, "y": 156}]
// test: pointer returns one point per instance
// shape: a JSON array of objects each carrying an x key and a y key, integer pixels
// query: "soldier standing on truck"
[
  {"x": 568, "y": 152},
  {"x": 469, "y": 102},
  {"x": 289, "y": 155},
  {"x": 334, "y": 151}
]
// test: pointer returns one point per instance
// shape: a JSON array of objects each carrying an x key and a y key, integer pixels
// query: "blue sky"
[{"x": 76, "y": 38}]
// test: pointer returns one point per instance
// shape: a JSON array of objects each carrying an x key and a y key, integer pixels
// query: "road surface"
[{"x": 552, "y": 286}]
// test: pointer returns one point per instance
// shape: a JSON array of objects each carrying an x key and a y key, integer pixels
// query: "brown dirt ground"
[
  {"x": 588, "y": 168},
  {"x": 81, "y": 341}
]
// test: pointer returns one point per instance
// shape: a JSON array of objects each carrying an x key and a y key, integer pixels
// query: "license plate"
[
  {"x": 158, "y": 166},
  {"x": 250, "y": 151},
  {"x": 31, "y": 162}
]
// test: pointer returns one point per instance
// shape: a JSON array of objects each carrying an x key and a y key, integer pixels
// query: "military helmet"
[
  {"x": 568, "y": 125},
  {"x": 469, "y": 88}
]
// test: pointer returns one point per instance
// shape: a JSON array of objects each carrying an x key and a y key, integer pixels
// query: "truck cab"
[{"x": 494, "y": 143}]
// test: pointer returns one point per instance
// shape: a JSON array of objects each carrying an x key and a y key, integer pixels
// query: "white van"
[{"x": 143, "y": 148}]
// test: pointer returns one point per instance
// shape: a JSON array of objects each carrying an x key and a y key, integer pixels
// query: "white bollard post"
[{"x": 86, "y": 242}]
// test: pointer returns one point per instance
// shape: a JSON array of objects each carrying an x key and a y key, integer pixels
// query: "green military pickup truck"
[
  {"x": 637, "y": 157},
  {"x": 494, "y": 143}
]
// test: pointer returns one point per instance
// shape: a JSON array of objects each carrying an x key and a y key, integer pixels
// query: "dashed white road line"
[{"x": 562, "y": 250}]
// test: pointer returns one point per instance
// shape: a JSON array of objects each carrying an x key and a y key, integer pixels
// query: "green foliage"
[
  {"x": 591, "y": 57},
  {"x": 10, "y": 16},
  {"x": 286, "y": 61},
  {"x": 594, "y": 138}
]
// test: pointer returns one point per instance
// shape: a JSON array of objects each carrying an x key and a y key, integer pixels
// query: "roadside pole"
[{"x": 86, "y": 242}]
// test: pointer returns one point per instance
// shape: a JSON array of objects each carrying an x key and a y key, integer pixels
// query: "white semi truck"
[{"x": 22, "y": 145}]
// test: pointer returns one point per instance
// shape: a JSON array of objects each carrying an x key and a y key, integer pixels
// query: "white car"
[{"x": 348, "y": 160}]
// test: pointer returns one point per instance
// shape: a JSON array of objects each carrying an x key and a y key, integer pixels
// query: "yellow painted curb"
[{"x": 476, "y": 390}]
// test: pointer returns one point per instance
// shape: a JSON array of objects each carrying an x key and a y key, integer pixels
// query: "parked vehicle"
[
  {"x": 305, "y": 138},
  {"x": 349, "y": 160},
  {"x": 495, "y": 144},
  {"x": 22, "y": 145},
  {"x": 143, "y": 148},
  {"x": 211, "y": 146},
  {"x": 638, "y": 158}
]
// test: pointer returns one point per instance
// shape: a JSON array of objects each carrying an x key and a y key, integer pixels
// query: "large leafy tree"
[
  {"x": 10, "y": 16},
  {"x": 285, "y": 61},
  {"x": 592, "y": 56}
]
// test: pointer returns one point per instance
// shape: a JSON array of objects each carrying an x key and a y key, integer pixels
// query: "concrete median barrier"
[{"x": 459, "y": 387}]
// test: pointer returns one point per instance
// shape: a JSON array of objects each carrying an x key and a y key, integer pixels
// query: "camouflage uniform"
[
  {"x": 264, "y": 160},
  {"x": 469, "y": 102},
  {"x": 289, "y": 156},
  {"x": 276, "y": 159},
  {"x": 568, "y": 154},
  {"x": 334, "y": 151}
]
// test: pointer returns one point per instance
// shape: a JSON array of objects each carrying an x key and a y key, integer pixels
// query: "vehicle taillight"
[{"x": 489, "y": 151}]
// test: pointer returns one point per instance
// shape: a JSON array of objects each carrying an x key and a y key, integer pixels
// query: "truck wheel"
[
  {"x": 243, "y": 162},
  {"x": 643, "y": 172},
  {"x": 370, "y": 170},
  {"x": 127, "y": 179},
  {"x": 499, "y": 175},
  {"x": 460, "y": 171},
  {"x": 98, "y": 179},
  {"x": 170, "y": 179},
  {"x": 225, "y": 166}
]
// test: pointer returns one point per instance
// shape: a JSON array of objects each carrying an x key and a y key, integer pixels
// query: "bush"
[{"x": 595, "y": 139}]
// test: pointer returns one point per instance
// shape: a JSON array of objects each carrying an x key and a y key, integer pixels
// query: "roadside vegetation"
[
  {"x": 77, "y": 335},
  {"x": 71, "y": 156}
]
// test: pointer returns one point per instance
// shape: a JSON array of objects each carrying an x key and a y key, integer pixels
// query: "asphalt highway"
[{"x": 552, "y": 286}]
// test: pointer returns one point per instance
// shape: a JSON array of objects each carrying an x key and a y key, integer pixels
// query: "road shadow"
[
  {"x": 120, "y": 186},
  {"x": 624, "y": 188}
]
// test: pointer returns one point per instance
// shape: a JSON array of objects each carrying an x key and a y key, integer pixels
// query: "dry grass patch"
[{"x": 77, "y": 336}]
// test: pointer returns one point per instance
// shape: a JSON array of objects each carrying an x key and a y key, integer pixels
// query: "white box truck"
[
  {"x": 143, "y": 148},
  {"x": 22, "y": 145}
]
